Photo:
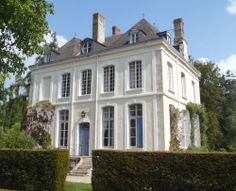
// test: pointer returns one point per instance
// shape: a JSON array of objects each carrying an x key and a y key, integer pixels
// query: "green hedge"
[
  {"x": 36, "y": 170},
  {"x": 163, "y": 171}
]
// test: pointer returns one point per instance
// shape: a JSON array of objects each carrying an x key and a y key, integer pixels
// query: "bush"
[
  {"x": 163, "y": 171},
  {"x": 33, "y": 170},
  {"x": 15, "y": 138}
]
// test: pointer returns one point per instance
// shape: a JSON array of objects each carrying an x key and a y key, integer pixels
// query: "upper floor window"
[
  {"x": 87, "y": 47},
  {"x": 48, "y": 57},
  {"x": 86, "y": 81},
  {"x": 194, "y": 91},
  {"x": 170, "y": 77},
  {"x": 109, "y": 79},
  {"x": 183, "y": 84},
  {"x": 136, "y": 125},
  {"x": 65, "y": 89},
  {"x": 135, "y": 74},
  {"x": 133, "y": 36},
  {"x": 63, "y": 128},
  {"x": 46, "y": 88},
  {"x": 108, "y": 126}
]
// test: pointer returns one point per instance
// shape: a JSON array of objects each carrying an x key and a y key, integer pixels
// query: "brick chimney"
[
  {"x": 180, "y": 42},
  {"x": 115, "y": 30},
  {"x": 99, "y": 28}
]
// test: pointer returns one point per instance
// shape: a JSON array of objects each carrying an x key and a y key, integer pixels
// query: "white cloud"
[
  {"x": 231, "y": 7},
  {"x": 228, "y": 64},
  {"x": 60, "y": 39},
  {"x": 203, "y": 59}
]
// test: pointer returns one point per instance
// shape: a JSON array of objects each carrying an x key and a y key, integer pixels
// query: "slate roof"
[{"x": 73, "y": 47}]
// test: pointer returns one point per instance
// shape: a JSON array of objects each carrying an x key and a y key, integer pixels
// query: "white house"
[{"x": 114, "y": 92}]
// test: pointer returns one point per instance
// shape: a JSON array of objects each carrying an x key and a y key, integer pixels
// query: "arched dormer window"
[
  {"x": 86, "y": 48},
  {"x": 134, "y": 36}
]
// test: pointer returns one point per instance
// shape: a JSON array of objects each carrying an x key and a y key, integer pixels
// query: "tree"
[
  {"x": 23, "y": 25},
  {"x": 212, "y": 96}
]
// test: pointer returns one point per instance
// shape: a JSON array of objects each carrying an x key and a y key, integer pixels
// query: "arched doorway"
[{"x": 83, "y": 139}]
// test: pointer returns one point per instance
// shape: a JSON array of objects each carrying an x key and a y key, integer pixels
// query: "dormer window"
[
  {"x": 86, "y": 48},
  {"x": 48, "y": 57},
  {"x": 133, "y": 36}
]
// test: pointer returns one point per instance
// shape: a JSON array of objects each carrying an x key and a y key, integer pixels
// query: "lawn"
[{"x": 69, "y": 186}]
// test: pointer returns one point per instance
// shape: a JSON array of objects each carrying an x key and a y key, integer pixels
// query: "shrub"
[
  {"x": 163, "y": 171},
  {"x": 33, "y": 170},
  {"x": 15, "y": 138}
]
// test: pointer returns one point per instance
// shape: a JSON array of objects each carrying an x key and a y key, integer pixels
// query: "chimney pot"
[{"x": 115, "y": 30}]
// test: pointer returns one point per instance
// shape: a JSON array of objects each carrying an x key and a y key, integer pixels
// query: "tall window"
[
  {"x": 64, "y": 125},
  {"x": 183, "y": 85},
  {"x": 194, "y": 91},
  {"x": 65, "y": 89},
  {"x": 87, "y": 48},
  {"x": 108, "y": 126},
  {"x": 109, "y": 79},
  {"x": 86, "y": 81},
  {"x": 135, "y": 74},
  {"x": 136, "y": 125},
  {"x": 46, "y": 88},
  {"x": 170, "y": 77}
]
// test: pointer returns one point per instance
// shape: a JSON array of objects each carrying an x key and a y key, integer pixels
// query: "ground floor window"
[
  {"x": 108, "y": 126},
  {"x": 63, "y": 128},
  {"x": 136, "y": 125}
]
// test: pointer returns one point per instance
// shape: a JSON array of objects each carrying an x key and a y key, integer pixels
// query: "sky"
[{"x": 210, "y": 25}]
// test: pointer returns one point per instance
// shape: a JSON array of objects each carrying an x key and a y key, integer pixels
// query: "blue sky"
[{"x": 210, "y": 25}]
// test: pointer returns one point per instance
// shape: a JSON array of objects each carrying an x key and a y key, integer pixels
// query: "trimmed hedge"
[
  {"x": 163, "y": 171},
  {"x": 33, "y": 170}
]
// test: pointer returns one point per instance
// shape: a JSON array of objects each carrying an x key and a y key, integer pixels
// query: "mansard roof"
[{"x": 73, "y": 47}]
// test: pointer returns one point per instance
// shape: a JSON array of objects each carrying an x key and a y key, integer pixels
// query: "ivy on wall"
[
  {"x": 174, "y": 131},
  {"x": 194, "y": 111}
]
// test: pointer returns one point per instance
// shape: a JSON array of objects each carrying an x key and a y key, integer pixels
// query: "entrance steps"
[{"x": 83, "y": 168}]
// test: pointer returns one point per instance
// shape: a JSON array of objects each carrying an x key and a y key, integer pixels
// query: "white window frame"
[
  {"x": 134, "y": 36},
  {"x": 87, "y": 47},
  {"x": 137, "y": 78},
  {"x": 170, "y": 73},
  {"x": 127, "y": 124},
  {"x": 107, "y": 81},
  {"x": 86, "y": 81},
  {"x": 108, "y": 119},
  {"x": 183, "y": 85},
  {"x": 64, "y": 95},
  {"x": 63, "y": 145}
]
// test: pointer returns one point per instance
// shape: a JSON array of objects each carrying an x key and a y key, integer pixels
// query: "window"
[
  {"x": 46, "y": 88},
  {"x": 64, "y": 125},
  {"x": 109, "y": 79},
  {"x": 170, "y": 77},
  {"x": 136, "y": 125},
  {"x": 194, "y": 91},
  {"x": 183, "y": 85},
  {"x": 108, "y": 126},
  {"x": 65, "y": 89},
  {"x": 86, "y": 48},
  {"x": 86, "y": 81},
  {"x": 135, "y": 74},
  {"x": 48, "y": 57},
  {"x": 133, "y": 37}
]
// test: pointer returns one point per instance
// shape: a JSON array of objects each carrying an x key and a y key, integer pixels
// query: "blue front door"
[{"x": 84, "y": 139}]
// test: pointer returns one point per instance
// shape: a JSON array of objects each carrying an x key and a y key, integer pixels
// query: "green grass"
[{"x": 69, "y": 186}]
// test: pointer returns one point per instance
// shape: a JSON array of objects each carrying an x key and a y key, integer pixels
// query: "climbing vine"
[
  {"x": 174, "y": 131},
  {"x": 194, "y": 110},
  {"x": 39, "y": 119}
]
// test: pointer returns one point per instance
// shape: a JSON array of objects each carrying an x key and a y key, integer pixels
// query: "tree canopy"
[{"x": 23, "y": 25}]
